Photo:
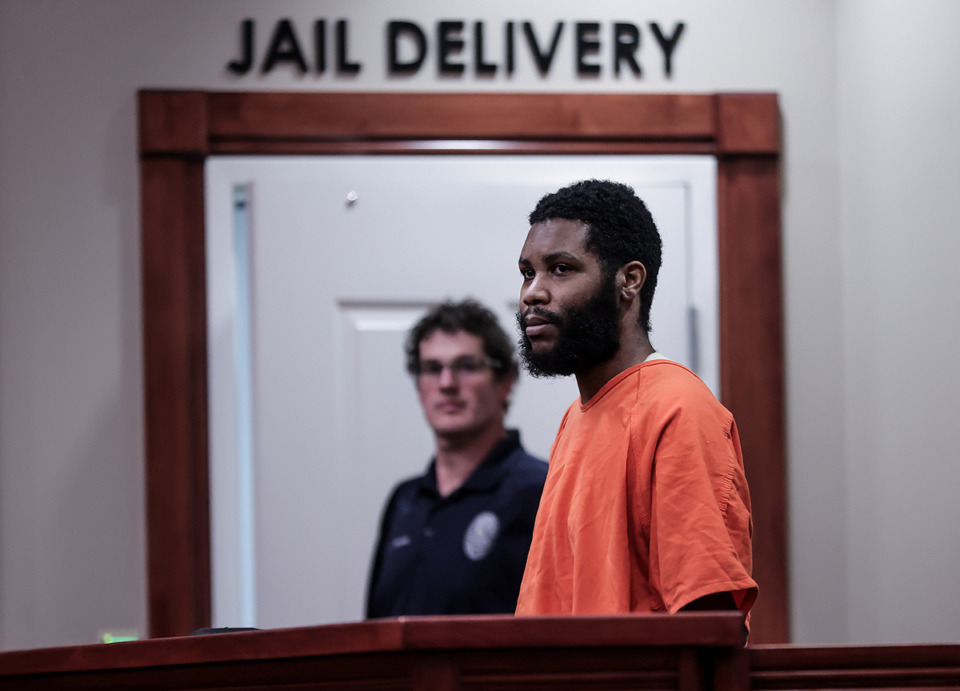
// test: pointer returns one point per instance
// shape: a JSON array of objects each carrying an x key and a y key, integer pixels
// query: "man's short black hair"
[
  {"x": 620, "y": 228},
  {"x": 473, "y": 318}
]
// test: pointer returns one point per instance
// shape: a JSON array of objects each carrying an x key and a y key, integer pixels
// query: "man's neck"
[
  {"x": 459, "y": 456},
  {"x": 592, "y": 380}
]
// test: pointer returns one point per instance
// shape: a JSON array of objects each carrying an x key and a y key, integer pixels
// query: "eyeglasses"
[{"x": 462, "y": 366}]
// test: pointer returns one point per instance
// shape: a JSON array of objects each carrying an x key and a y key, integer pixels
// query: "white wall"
[
  {"x": 866, "y": 285},
  {"x": 900, "y": 162}
]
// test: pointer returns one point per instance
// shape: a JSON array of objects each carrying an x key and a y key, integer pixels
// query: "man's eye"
[
  {"x": 468, "y": 365},
  {"x": 431, "y": 367},
  {"x": 561, "y": 269},
  {"x": 527, "y": 273}
]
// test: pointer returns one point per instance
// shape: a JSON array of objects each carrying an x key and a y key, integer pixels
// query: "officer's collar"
[{"x": 488, "y": 473}]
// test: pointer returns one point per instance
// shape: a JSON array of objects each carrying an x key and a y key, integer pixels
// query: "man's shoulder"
[
  {"x": 409, "y": 485},
  {"x": 526, "y": 468},
  {"x": 669, "y": 378},
  {"x": 668, "y": 388}
]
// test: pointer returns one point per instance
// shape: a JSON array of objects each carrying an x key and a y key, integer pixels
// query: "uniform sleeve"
[
  {"x": 371, "y": 609},
  {"x": 700, "y": 524}
]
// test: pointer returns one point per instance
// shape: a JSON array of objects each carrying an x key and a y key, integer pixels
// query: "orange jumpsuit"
[{"x": 646, "y": 506}]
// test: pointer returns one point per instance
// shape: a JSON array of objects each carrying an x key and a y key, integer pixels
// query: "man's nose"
[
  {"x": 534, "y": 292},
  {"x": 448, "y": 378}
]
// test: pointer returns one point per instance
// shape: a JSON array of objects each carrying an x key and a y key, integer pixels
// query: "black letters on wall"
[
  {"x": 411, "y": 32},
  {"x": 408, "y": 44},
  {"x": 286, "y": 49}
]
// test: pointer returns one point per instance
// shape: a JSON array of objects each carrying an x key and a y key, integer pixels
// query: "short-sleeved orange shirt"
[{"x": 646, "y": 506}]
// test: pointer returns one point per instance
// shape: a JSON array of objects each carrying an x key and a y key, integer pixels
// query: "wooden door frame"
[{"x": 179, "y": 129}]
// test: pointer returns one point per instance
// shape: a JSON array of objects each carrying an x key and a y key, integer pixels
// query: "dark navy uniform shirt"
[{"x": 463, "y": 553}]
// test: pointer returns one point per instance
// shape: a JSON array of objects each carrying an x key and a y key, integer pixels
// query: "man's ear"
[
  {"x": 632, "y": 277},
  {"x": 505, "y": 387}
]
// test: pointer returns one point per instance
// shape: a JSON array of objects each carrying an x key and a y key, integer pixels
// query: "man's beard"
[{"x": 588, "y": 335}]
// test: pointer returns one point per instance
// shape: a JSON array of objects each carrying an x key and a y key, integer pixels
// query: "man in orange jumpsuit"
[{"x": 646, "y": 507}]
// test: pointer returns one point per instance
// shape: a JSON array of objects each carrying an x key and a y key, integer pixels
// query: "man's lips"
[
  {"x": 450, "y": 406},
  {"x": 534, "y": 325}
]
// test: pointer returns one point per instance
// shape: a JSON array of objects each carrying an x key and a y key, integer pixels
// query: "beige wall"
[
  {"x": 869, "y": 96},
  {"x": 900, "y": 215}
]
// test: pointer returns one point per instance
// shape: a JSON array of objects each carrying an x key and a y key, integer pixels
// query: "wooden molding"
[
  {"x": 173, "y": 123},
  {"x": 751, "y": 375},
  {"x": 748, "y": 123},
  {"x": 368, "y": 116},
  {"x": 174, "y": 306}
]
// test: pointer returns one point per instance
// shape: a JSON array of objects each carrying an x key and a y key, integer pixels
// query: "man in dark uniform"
[{"x": 455, "y": 539}]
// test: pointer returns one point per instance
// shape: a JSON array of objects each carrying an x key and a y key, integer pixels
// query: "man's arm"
[
  {"x": 371, "y": 610},
  {"x": 713, "y": 601}
]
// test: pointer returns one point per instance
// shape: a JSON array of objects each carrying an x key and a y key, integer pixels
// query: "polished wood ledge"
[
  {"x": 855, "y": 667},
  {"x": 684, "y": 651},
  {"x": 688, "y": 651}
]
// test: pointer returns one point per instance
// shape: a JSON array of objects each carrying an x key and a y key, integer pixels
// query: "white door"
[{"x": 316, "y": 269}]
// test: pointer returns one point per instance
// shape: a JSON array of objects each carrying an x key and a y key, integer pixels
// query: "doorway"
[
  {"x": 179, "y": 130},
  {"x": 316, "y": 268}
]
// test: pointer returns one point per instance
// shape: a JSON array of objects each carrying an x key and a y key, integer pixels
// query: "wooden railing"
[
  {"x": 855, "y": 667},
  {"x": 662, "y": 652},
  {"x": 685, "y": 651}
]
